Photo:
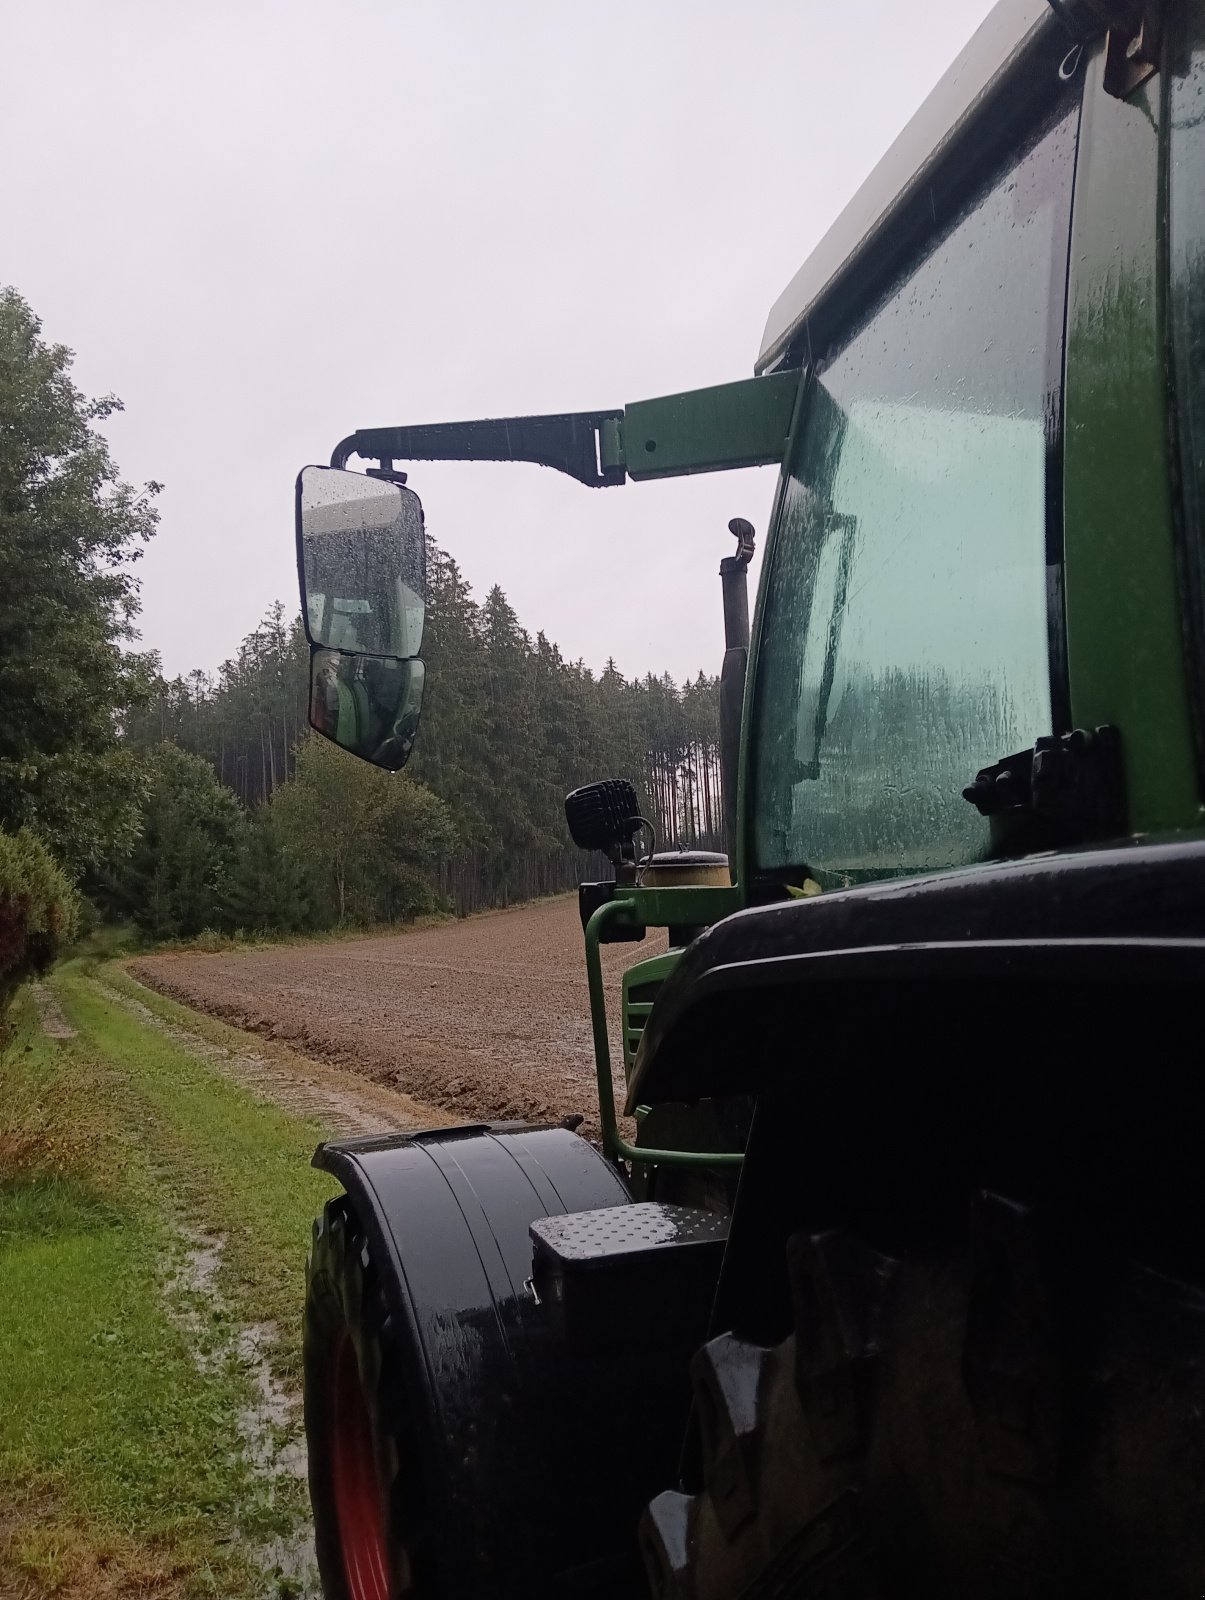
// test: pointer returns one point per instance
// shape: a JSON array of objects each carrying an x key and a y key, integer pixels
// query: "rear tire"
[
  {"x": 461, "y": 1444},
  {"x": 1018, "y": 1417}
]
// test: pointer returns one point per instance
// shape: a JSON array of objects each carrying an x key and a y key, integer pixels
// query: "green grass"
[
  {"x": 237, "y": 1165},
  {"x": 106, "y": 941},
  {"x": 120, "y": 1469}
]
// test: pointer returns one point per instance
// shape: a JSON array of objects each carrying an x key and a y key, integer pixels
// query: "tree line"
[
  {"x": 204, "y": 801},
  {"x": 509, "y": 727}
]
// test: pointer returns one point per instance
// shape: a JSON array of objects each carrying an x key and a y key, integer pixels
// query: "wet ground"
[
  {"x": 483, "y": 1018},
  {"x": 269, "y": 1423},
  {"x": 343, "y": 1103}
]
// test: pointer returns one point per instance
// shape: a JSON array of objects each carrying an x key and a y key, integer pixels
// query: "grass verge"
[
  {"x": 122, "y": 1470},
  {"x": 237, "y": 1165}
]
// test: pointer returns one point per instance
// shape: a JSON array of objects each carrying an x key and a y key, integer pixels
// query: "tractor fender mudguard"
[
  {"x": 447, "y": 1212},
  {"x": 519, "y": 1431}
]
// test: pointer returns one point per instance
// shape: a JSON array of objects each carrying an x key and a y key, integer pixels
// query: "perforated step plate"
[{"x": 596, "y": 1271}]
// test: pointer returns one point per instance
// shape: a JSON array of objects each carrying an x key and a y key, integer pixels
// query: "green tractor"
[{"x": 899, "y": 1288}]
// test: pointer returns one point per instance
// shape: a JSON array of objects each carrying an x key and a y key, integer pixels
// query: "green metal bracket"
[
  {"x": 639, "y": 978},
  {"x": 616, "y": 1147},
  {"x": 741, "y": 424},
  {"x": 732, "y": 425},
  {"x": 683, "y": 907}
]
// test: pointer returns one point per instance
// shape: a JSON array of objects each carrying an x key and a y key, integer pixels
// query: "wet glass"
[
  {"x": 905, "y": 643},
  {"x": 1186, "y": 229},
  {"x": 367, "y": 704},
  {"x": 363, "y": 562}
]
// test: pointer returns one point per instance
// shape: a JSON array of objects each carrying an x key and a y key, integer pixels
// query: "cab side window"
[
  {"x": 1186, "y": 303},
  {"x": 906, "y": 636}
]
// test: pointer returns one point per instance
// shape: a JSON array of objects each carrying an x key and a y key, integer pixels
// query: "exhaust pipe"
[{"x": 733, "y": 578}]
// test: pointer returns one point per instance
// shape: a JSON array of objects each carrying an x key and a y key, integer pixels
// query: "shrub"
[
  {"x": 39, "y": 910},
  {"x": 171, "y": 882}
]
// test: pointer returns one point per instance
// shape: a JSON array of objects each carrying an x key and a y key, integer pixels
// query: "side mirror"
[
  {"x": 361, "y": 562},
  {"x": 362, "y": 567},
  {"x": 369, "y": 705}
]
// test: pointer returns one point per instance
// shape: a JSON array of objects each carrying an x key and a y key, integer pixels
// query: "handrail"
[{"x": 616, "y": 1147}]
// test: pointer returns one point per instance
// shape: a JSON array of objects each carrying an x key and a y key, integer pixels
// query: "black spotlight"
[{"x": 604, "y": 816}]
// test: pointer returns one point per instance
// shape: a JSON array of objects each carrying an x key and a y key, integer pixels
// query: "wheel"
[
  {"x": 354, "y": 1419},
  {"x": 1014, "y": 1414},
  {"x": 458, "y": 1445}
]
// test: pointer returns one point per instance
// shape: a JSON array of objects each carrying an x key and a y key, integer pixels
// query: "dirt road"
[{"x": 485, "y": 1018}]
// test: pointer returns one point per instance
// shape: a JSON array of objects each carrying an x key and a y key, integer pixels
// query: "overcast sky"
[{"x": 264, "y": 225}]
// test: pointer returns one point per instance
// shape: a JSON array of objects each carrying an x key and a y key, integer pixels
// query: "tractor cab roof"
[{"x": 1013, "y": 52}]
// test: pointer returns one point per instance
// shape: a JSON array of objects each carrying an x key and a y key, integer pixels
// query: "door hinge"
[
  {"x": 1073, "y": 785},
  {"x": 1134, "y": 30}
]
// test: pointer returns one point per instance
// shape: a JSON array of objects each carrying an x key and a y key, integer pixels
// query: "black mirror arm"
[{"x": 584, "y": 444}]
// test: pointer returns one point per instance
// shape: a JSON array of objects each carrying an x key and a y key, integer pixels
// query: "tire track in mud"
[
  {"x": 50, "y": 1014},
  {"x": 344, "y": 1105},
  {"x": 485, "y": 1019}
]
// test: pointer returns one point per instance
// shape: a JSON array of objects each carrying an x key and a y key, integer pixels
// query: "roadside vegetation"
[
  {"x": 202, "y": 804},
  {"x": 152, "y": 1213},
  {"x": 125, "y": 1160},
  {"x": 39, "y": 910}
]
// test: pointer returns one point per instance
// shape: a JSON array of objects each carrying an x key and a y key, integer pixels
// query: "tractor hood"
[{"x": 769, "y": 991}]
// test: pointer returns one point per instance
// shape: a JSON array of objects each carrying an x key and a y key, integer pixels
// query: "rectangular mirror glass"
[{"x": 362, "y": 562}]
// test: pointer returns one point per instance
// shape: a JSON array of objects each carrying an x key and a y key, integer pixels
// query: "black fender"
[{"x": 529, "y": 1442}]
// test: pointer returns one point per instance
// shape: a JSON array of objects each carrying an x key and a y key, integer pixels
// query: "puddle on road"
[{"x": 269, "y": 1425}]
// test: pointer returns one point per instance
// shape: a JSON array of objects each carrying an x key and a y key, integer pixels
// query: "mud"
[
  {"x": 343, "y": 1104},
  {"x": 487, "y": 1018}
]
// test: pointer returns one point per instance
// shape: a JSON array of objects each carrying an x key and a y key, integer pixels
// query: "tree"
[
  {"x": 271, "y": 887},
  {"x": 246, "y": 722},
  {"x": 371, "y": 833},
  {"x": 509, "y": 727},
  {"x": 175, "y": 880},
  {"x": 69, "y": 531}
]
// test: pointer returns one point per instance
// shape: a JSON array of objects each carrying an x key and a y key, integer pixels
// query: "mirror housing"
[
  {"x": 367, "y": 704},
  {"x": 362, "y": 569}
]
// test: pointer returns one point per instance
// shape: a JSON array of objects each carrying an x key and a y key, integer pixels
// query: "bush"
[
  {"x": 171, "y": 883},
  {"x": 376, "y": 838},
  {"x": 39, "y": 910}
]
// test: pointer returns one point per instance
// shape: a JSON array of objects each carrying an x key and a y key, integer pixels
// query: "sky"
[{"x": 265, "y": 224}]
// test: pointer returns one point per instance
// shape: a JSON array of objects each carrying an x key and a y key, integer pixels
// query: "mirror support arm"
[
  {"x": 743, "y": 424},
  {"x": 584, "y": 444}
]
